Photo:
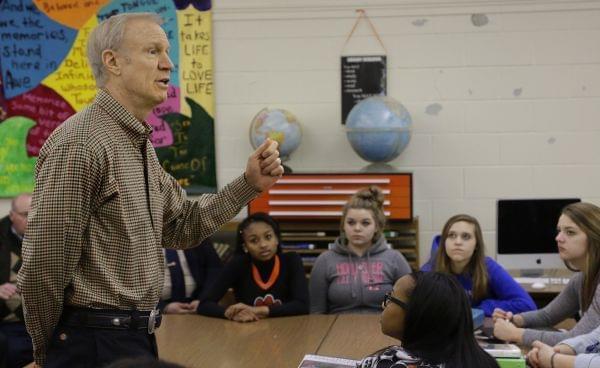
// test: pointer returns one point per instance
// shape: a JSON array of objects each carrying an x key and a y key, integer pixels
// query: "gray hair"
[
  {"x": 108, "y": 35},
  {"x": 14, "y": 204}
]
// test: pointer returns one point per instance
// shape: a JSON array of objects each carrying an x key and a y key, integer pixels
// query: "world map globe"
[
  {"x": 280, "y": 125},
  {"x": 378, "y": 128}
]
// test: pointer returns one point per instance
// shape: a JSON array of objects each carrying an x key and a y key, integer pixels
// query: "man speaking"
[{"x": 103, "y": 207}]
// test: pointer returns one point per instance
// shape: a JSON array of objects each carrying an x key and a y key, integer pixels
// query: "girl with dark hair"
[
  {"x": 266, "y": 281},
  {"x": 578, "y": 241},
  {"x": 429, "y": 312},
  {"x": 361, "y": 267},
  {"x": 462, "y": 254}
]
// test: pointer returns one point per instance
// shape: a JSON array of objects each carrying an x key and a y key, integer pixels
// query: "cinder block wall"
[{"x": 504, "y": 95}]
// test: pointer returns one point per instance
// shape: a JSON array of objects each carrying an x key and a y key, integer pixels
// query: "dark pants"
[
  {"x": 18, "y": 347},
  {"x": 96, "y": 347}
]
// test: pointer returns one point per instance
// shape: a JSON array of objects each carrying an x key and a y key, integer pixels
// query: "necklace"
[{"x": 274, "y": 275}]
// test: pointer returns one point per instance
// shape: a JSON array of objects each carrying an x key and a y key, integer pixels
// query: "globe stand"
[
  {"x": 286, "y": 169},
  {"x": 379, "y": 167}
]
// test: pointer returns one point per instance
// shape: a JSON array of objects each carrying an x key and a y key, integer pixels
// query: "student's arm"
[
  {"x": 401, "y": 266},
  {"x": 587, "y": 323},
  {"x": 581, "y": 361},
  {"x": 298, "y": 287},
  {"x": 565, "y": 305},
  {"x": 507, "y": 294},
  {"x": 427, "y": 266},
  {"x": 319, "y": 286},
  {"x": 544, "y": 356},
  {"x": 209, "y": 304},
  {"x": 587, "y": 343}
]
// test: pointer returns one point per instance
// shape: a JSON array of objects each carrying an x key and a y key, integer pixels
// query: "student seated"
[
  {"x": 578, "y": 241},
  {"x": 430, "y": 314},
  {"x": 188, "y": 273},
  {"x": 581, "y": 351},
  {"x": 266, "y": 282},
  {"x": 360, "y": 269},
  {"x": 15, "y": 342},
  {"x": 462, "y": 254}
]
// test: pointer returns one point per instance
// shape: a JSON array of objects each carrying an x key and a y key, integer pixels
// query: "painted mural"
[{"x": 45, "y": 78}]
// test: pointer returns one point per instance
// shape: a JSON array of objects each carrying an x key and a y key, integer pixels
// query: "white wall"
[{"x": 518, "y": 97}]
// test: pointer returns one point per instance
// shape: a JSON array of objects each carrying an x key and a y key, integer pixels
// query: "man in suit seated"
[
  {"x": 12, "y": 329},
  {"x": 187, "y": 274}
]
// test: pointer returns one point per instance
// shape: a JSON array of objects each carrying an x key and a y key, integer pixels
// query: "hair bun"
[{"x": 372, "y": 194}]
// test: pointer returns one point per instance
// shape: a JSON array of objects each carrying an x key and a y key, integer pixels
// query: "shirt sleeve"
[
  {"x": 506, "y": 293},
  {"x": 209, "y": 301},
  {"x": 298, "y": 300},
  {"x": 588, "y": 322},
  {"x": 427, "y": 267},
  {"x": 186, "y": 222},
  {"x": 587, "y": 361},
  {"x": 401, "y": 266},
  {"x": 585, "y": 344},
  {"x": 66, "y": 181},
  {"x": 319, "y": 286}
]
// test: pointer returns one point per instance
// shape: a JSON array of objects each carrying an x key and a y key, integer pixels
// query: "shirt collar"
[
  {"x": 20, "y": 237},
  {"x": 138, "y": 131}
]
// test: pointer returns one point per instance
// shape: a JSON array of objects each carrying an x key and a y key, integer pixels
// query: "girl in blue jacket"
[{"x": 462, "y": 253}]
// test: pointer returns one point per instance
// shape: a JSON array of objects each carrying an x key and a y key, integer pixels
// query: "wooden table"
[
  {"x": 197, "y": 341},
  {"x": 354, "y": 336}
]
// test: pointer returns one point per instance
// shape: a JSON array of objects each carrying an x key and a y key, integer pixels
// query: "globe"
[
  {"x": 279, "y": 125},
  {"x": 378, "y": 128}
]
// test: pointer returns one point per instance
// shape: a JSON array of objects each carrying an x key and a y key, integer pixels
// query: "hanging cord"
[{"x": 363, "y": 14}]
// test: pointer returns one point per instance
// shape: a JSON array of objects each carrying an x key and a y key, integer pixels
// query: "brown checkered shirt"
[{"x": 95, "y": 230}]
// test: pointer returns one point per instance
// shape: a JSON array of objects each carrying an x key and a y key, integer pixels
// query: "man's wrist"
[{"x": 250, "y": 184}]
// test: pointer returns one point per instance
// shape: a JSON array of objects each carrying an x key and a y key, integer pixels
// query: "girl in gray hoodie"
[{"x": 360, "y": 268}]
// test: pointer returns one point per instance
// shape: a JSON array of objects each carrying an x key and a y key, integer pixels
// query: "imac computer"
[{"x": 526, "y": 230}]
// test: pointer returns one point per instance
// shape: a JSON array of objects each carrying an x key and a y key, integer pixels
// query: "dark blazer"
[
  {"x": 204, "y": 264},
  {"x": 9, "y": 242}
]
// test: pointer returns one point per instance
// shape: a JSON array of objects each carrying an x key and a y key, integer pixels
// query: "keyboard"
[{"x": 545, "y": 280}]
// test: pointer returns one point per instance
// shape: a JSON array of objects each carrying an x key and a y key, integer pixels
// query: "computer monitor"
[{"x": 526, "y": 229}]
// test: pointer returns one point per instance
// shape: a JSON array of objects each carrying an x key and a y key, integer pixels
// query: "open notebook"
[
  {"x": 501, "y": 350},
  {"x": 320, "y": 361}
]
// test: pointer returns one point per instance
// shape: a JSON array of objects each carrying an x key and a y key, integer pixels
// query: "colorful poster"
[{"x": 45, "y": 78}]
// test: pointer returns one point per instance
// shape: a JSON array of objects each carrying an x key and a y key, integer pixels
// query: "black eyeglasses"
[
  {"x": 389, "y": 298},
  {"x": 22, "y": 214}
]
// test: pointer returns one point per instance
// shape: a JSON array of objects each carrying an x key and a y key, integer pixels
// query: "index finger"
[
  {"x": 258, "y": 153},
  {"x": 271, "y": 149}
]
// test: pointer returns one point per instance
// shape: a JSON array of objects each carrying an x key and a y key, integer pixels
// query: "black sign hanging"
[{"x": 362, "y": 77}]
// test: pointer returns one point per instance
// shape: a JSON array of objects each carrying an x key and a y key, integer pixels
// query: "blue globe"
[{"x": 378, "y": 128}]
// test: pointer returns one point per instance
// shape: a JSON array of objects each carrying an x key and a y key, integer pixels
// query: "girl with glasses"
[
  {"x": 462, "y": 253},
  {"x": 431, "y": 315}
]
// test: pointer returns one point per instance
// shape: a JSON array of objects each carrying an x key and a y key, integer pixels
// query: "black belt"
[{"x": 111, "y": 318}]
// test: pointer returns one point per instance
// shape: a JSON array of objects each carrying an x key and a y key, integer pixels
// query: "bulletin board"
[{"x": 45, "y": 78}]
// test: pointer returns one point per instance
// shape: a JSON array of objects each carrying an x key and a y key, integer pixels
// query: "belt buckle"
[{"x": 154, "y": 313}]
